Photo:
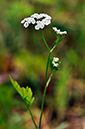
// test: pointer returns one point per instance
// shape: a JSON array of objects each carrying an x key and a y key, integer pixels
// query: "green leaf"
[
  {"x": 32, "y": 100},
  {"x": 25, "y": 93}
]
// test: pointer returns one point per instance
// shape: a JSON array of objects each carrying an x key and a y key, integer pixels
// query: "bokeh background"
[{"x": 24, "y": 55}]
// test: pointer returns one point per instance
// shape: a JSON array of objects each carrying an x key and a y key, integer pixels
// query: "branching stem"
[
  {"x": 47, "y": 82},
  {"x": 44, "y": 40}
]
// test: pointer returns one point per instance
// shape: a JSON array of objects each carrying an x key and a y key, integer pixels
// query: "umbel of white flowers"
[
  {"x": 58, "y": 31},
  {"x": 39, "y": 20},
  {"x": 55, "y": 61}
]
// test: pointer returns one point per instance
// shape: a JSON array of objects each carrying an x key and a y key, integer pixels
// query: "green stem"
[
  {"x": 44, "y": 89},
  {"x": 47, "y": 83},
  {"x": 49, "y": 79},
  {"x": 33, "y": 118},
  {"x": 45, "y": 78},
  {"x": 44, "y": 40},
  {"x": 31, "y": 115},
  {"x": 47, "y": 67},
  {"x": 57, "y": 42}
]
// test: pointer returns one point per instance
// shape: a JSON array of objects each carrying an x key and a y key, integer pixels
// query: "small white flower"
[
  {"x": 64, "y": 32},
  {"x": 58, "y": 31},
  {"x": 55, "y": 61},
  {"x": 39, "y": 16},
  {"x": 55, "y": 64},
  {"x": 47, "y": 16},
  {"x": 46, "y": 21},
  {"x": 41, "y": 26},
  {"x": 37, "y": 27},
  {"x": 35, "y": 15},
  {"x": 26, "y": 24},
  {"x": 29, "y": 20},
  {"x": 54, "y": 28},
  {"x": 33, "y": 21},
  {"x": 22, "y": 21},
  {"x": 40, "y": 20}
]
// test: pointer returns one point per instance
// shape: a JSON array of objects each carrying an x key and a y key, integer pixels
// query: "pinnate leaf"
[{"x": 25, "y": 93}]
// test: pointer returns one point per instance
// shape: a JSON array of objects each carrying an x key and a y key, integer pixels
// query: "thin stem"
[
  {"x": 49, "y": 79},
  {"x": 45, "y": 78},
  {"x": 42, "y": 106},
  {"x": 31, "y": 115},
  {"x": 33, "y": 118},
  {"x": 56, "y": 43},
  {"x": 44, "y": 40},
  {"x": 44, "y": 89},
  {"x": 47, "y": 67},
  {"x": 47, "y": 83}
]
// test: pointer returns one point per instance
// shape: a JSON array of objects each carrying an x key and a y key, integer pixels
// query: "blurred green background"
[{"x": 24, "y": 55}]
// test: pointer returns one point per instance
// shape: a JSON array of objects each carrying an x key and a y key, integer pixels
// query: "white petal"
[
  {"x": 44, "y": 21},
  {"x": 22, "y": 21},
  {"x": 26, "y": 24},
  {"x": 39, "y": 16},
  {"x": 58, "y": 31},
  {"x": 42, "y": 26},
  {"x": 65, "y": 32},
  {"x": 55, "y": 59},
  {"x": 33, "y": 21},
  {"x": 29, "y": 20},
  {"x": 62, "y": 32},
  {"x": 56, "y": 64},
  {"x": 54, "y": 28},
  {"x": 37, "y": 27},
  {"x": 35, "y": 15},
  {"x": 48, "y": 17},
  {"x": 47, "y": 21},
  {"x": 38, "y": 22}
]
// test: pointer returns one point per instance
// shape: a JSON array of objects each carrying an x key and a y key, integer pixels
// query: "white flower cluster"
[
  {"x": 55, "y": 61},
  {"x": 58, "y": 31},
  {"x": 40, "y": 20}
]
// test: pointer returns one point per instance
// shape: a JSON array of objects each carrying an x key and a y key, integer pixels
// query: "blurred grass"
[
  {"x": 6, "y": 104},
  {"x": 23, "y": 50}
]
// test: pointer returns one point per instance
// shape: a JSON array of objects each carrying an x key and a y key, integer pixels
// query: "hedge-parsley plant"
[{"x": 40, "y": 21}]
